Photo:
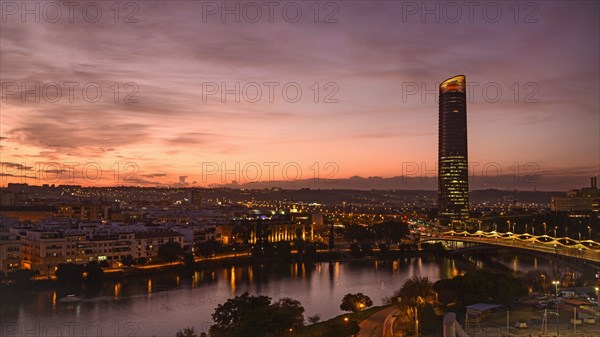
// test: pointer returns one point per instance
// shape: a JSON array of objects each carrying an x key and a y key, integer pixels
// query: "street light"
[
  {"x": 590, "y": 231},
  {"x": 556, "y": 283},
  {"x": 417, "y": 321},
  {"x": 360, "y": 308},
  {"x": 556, "y": 299},
  {"x": 555, "y": 228},
  {"x": 544, "y": 228}
]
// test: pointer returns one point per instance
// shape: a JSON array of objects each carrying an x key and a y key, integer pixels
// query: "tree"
[
  {"x": 331, "y": 237},
  {"x": 314, "y": 319},
  {"x": 284, "y": 250},
  {"x": 104, "y": 264},
  {"x": 69, "y": 273},
  {"x": 127, "y": 260},
  {"x": 20, "y": 276},
  {"x": 262, "y": 232},
  {"x": 241, "y": 232},
  {"x": 288, "y": 313},
  {"x": 299, "y": 233},
  {"x": 233, "y": 316},
  {"x": 170, "y": 251},
  {"x": 94, "y": 272},
  {"x": 355, "y": 302},
  {"x": 310, "y": 252},
  {"x": 339, "y": 328},
  {"x": 208, "y": 248},
  {"x": 480, "y": 286},
  {"x": 366, "y": 248},
  {"x": 384, "y": 250},
  {"x": 391, "y": 231},
  {"x": 415, "y": 291},
  {"x": 436, "y": 248},
  {"x": 256, "y": 316},
  {"x": 257, "y": 252},
  {"x": 355, "y": 250},
  {"x": 188, "y": 261},
  {"x": 186, "y": 332},
  {"x": 299, "y": 244},
  {"x": 358, "y": 233}
]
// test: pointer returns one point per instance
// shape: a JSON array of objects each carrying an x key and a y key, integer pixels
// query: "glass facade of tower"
[{"x": 453, "y": 171}]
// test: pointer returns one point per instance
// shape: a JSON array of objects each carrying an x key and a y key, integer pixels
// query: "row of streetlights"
[{"x": 589, "y": 228}]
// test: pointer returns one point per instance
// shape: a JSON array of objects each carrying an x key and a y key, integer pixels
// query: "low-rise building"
[
  {"x": 43, "y": 250},
  {"x": 10, "y": 252},
  {"x": 147, "y": 242}
]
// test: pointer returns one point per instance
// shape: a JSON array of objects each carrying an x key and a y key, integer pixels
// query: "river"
[{"x": 159, "y": 305}]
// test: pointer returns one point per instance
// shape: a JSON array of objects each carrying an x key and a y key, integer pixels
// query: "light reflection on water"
[{"x": 161, "y": 304}]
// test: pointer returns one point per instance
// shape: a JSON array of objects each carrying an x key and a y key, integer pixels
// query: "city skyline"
[
  {"x": 295, "y": 168},
  {"x": 386, "y": 111}
]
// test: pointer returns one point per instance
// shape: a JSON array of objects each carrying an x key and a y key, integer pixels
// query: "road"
[{"x": 373, "y": 325}]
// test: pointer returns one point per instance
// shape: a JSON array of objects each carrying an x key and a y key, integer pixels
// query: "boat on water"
[{"x": 70, "y": 299}]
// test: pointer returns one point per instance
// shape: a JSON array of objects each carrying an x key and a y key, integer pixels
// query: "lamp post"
[
  {"x": 544, "y": 228},
  {"x": 525, "y": 228},
  {"x": 566, "y": 232},
  {"x": 555, "y": 228},
  {"x": 360, "y": 308},
  {"x": 590, "y": 231},
  {"x": 416, "y": 321},
  {"x": 556, "y": 299}
]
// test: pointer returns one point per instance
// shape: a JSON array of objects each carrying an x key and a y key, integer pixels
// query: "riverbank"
[{"x": 227, "y": 260}]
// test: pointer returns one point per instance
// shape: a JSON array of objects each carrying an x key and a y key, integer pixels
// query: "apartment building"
[{"x": 10, "y": 252}]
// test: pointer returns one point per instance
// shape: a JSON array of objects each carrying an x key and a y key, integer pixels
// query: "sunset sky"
[{"x": 376, "y": 61}]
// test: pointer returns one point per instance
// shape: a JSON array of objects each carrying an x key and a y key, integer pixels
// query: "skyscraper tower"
[{"x": 453, "y": 169}]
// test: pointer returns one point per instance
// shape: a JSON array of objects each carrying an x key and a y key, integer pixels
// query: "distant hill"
[{"x": 505, "y": 183}]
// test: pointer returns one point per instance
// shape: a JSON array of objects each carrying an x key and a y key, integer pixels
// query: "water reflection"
[
  {"x": 232, "y": 281},
  {"x": 117, "y": 290},
  {"x": 163, "y": 303},
  {"x": 54, "y": 300}
]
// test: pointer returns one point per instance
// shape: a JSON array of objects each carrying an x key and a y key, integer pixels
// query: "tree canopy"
[
  {"x": 170, "y": 251},
  {"x": 355, "y": 302},
  {"x": 480, "y": 286},
  {"x": 415, "y": 291},
  {"x": 391, "y": 231},
  {"x": 256, "y": 316},
  {"x": 341, "y": 328}
]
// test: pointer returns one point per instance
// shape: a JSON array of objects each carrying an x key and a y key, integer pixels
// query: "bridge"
[{"x": 588, "y": 250}]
